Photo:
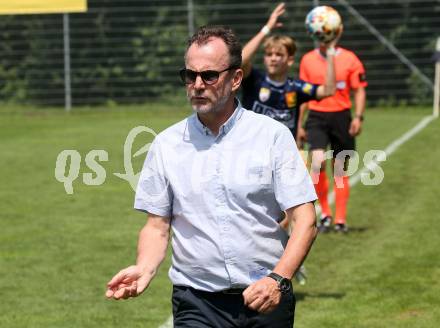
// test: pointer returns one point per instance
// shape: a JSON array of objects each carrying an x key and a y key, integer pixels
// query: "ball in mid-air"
[{"x": 323, "y": 23}]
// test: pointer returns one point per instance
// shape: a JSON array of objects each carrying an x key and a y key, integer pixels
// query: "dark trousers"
[{"x": 198, "y": 309}]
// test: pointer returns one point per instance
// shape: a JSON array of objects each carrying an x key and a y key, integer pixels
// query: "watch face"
[{"x": 284, "y": 285}]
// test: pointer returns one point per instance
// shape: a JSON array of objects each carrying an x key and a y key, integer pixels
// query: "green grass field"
[{"x": 58, "y": 251}]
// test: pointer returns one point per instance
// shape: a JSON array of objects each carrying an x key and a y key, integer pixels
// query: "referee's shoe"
[{"x": 341, "y": 227}]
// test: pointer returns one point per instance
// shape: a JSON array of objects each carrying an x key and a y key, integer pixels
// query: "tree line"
[{"x": 130, "y": 51}]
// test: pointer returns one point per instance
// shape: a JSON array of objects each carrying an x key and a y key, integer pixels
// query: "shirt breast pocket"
[
  {"x": 255, "y": 181},
  {"x": 247, "y": 172},
  {"x": 259, "y": 175}
]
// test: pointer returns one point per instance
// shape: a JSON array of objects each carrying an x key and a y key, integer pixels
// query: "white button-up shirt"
[{"x": 224, "y": 195}]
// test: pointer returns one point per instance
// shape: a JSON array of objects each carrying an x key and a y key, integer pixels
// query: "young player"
[{"x": 274, "y": 92}]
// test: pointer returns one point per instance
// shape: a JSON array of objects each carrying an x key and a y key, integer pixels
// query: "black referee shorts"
[
  {"x": 329, "y": 129},
  {"x": 198, "y": 309}
]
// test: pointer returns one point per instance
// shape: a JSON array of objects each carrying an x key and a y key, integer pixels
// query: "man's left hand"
[
  {"x": 355, "y": 127},
  {"x": 262, "y": 296}
]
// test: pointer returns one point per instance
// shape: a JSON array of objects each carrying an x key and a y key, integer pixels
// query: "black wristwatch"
[{"x": 283, "y": 283}]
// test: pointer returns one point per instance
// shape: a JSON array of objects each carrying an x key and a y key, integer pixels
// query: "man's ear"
[
  {"x": 290, "y": 61},
  {"x": 236, "y": 80}
]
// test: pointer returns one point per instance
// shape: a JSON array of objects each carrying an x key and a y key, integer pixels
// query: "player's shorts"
[{"x": 329, "y": 128}]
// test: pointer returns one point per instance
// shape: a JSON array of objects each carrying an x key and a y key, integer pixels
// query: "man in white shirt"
[{"x": 219, "y": 180}]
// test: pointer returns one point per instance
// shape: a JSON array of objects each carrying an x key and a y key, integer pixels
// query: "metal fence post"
[
  {"x": 190, "y": 8},
  {"x": 437, "y": 79},
  {"x": 67, "y": 80}
]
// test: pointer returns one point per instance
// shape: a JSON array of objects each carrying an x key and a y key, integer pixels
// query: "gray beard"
[{"x": 218, "y": 108}]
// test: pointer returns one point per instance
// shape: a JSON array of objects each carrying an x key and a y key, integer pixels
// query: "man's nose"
[{"x": 198, "y": 83}]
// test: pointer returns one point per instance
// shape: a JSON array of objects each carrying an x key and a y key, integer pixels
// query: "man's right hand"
[
  {"x": 129, "y": 282},
  {"x": 273, "y": 19}
]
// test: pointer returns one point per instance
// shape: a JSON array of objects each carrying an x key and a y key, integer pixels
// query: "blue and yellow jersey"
[{"x": 281, "y": 101}]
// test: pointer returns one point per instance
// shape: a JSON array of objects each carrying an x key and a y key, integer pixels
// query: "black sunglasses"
[{"x": 209, "y": 77}]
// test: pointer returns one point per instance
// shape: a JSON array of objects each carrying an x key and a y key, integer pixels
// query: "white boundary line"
[
  {"x": 168, "y": 323},
  {"x": 392, "y": 147}
]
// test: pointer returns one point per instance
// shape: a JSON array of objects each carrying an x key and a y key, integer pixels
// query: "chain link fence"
[{"x": 130, "y": 51}]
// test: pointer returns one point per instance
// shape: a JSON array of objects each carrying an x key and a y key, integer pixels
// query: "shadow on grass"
[
  {"x": 301, "y": 296},
  {"x": 351, "y": 229},
  {"x": 357, "y": 229}
]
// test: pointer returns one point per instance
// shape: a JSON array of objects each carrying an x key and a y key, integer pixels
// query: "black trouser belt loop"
[{"x": 233, "y": 291}]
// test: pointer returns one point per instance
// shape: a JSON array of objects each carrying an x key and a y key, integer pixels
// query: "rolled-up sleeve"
[
  {"x": 153, "y": 192},
  {"x": 292, "y": 183}
]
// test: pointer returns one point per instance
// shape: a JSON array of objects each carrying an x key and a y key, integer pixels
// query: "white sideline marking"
[
  {"x": 168, "y": 323},
  {"x": 391, "y": 148}
]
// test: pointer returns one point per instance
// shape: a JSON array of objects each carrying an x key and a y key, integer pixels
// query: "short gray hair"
[{"x": 204, "y": 33}]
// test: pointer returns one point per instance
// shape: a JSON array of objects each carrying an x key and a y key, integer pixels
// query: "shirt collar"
[
  {"x": 322, "y": 56},
  {"x": 227, "y": 126},
  {"x": 275, "y": 83}
]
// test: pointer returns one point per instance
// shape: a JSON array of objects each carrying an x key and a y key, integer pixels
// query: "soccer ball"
[{"x": 323, "y": 23}]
